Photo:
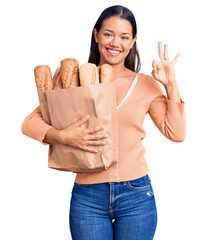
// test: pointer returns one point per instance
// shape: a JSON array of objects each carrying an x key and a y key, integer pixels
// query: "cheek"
[
  {"x": 103, "y": 42},
  {"x": 127, "y": 46}
]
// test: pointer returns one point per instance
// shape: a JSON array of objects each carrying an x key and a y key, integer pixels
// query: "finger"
[
  {"x": 93, "y": 130},
  {"x": 95, "y": 143},
  {"x": 96, "y": 137},
  {"x": 81, "y": 120},
  {"x": 166, "y": 55},
  {"x": 160, "y": 51},
  {"x": 154, "y": 63},
  {"x": 176, "y": 58},
  {"x": 159, "y": 66},
  {"x": 154, "y": 73},
  {"x": 87, "y": 149}
]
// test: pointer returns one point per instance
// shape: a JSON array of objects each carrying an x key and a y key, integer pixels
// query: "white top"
[{"x": 129, "y": 91}]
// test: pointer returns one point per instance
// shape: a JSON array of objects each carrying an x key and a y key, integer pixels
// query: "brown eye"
[
  {"x": 125, "y": 38},
  {"x": 107, "y": 34}
]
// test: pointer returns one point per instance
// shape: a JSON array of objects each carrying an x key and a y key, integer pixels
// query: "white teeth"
[{"x": 112, "y": 51}]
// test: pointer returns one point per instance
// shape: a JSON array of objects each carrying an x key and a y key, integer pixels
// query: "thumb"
[
  {"x": 154, "y": 63},
  {"x": 154, "y": 73},
  {"x": 81, "y": 120}
]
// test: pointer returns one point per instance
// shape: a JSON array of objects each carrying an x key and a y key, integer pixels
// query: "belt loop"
[
  {"x": 124, "y": 182},
  {"x": 145, "y": 179}
]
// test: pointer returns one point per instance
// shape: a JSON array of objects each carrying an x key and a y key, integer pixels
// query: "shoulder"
[
  {"x": 150, "y": 84},
  {"x": 148, "y": 78}
]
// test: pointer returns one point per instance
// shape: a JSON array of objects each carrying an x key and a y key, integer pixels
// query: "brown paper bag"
[{"x": 62, "y": 107}]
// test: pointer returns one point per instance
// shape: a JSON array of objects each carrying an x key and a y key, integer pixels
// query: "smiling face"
[{"x": 114, "y": 40}]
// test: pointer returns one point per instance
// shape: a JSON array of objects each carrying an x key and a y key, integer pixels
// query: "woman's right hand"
[{"x": 78, "y": 137}]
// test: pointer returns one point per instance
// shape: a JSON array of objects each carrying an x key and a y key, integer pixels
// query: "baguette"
[
  {"x": 69, "y": 73},
  {"x": 88, "y": 74},
  {"x": 57, "y": 79},
  {"x": 106, "y": 73},
  {"x": 43, "y": 78}
]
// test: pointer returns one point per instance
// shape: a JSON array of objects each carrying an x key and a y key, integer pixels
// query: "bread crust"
[
  {"x": 88, "y": 74},
  {"x": 69, "y": 73},
  {"x": 106, "y": 73},
  {"x": 57, "y": 79},
  {"x": 43, "y": 78}
]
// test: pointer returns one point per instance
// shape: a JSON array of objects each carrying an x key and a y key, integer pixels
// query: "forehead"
[{"x": 117, "y": 24}]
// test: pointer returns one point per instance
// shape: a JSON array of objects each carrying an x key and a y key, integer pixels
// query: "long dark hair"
[{"x": 132, "y": 60}]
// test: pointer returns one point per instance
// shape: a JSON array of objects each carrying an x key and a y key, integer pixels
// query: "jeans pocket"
[{"x": 140, "y": 184}]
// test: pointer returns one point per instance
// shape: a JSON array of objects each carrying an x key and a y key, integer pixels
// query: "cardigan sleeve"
[
  {"x": 35, "y": 127},
  {"x": 168, "y": 116}
]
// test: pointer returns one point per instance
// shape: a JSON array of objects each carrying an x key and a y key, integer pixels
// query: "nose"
[{"x": 114, "y": 42}]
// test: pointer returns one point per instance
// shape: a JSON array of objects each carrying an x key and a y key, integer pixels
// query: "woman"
[{"x": 118, "y": 203}]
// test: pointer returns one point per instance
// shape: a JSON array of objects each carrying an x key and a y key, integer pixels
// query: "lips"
[{"x": 113, "y": 52}]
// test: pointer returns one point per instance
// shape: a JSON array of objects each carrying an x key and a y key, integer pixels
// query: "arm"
[
  {"x": 35, "y": 127},
  {"x": 167, "y": 112},
  {"x": 173, "y": 92},
  {"x": 74, "y": 135}
]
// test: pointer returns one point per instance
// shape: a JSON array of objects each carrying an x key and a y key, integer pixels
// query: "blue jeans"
[{"x": 113, "y": 210}]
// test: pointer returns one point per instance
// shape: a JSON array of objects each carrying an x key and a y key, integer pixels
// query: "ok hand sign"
[{"x": 164, "y": 71}]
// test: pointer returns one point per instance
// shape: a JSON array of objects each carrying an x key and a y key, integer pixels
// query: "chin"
[{"x": 112, "y": 61}]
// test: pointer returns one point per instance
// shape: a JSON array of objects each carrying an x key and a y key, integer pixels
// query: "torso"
[{"x": 122, "y": 86}]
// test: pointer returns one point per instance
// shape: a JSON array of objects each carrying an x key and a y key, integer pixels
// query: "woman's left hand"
[{"x": 164, "y": 71}]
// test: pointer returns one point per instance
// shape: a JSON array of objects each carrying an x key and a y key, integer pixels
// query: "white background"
[{"x": 35, "y": 199}]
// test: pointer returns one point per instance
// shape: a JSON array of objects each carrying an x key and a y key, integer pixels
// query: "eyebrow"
[{"x": 112, "y": 31}]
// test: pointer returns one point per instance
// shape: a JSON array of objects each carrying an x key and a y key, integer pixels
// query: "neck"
[{"x": 119, "y": 70}]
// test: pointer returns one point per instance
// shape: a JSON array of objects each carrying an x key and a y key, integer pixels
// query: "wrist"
[
  {"x": 53, "y": 136},
  {"x": 173, "y": 92},
  {"x": 170, "y": 85},
  {"x": 60, "y": 136}
]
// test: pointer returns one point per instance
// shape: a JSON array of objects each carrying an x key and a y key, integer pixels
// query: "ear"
[
  {"x": 133, "y": 41},
  {"x": 95, "y": 35}
]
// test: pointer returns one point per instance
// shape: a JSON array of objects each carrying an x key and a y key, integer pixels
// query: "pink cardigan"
[{"x": 144, "y": 96}]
